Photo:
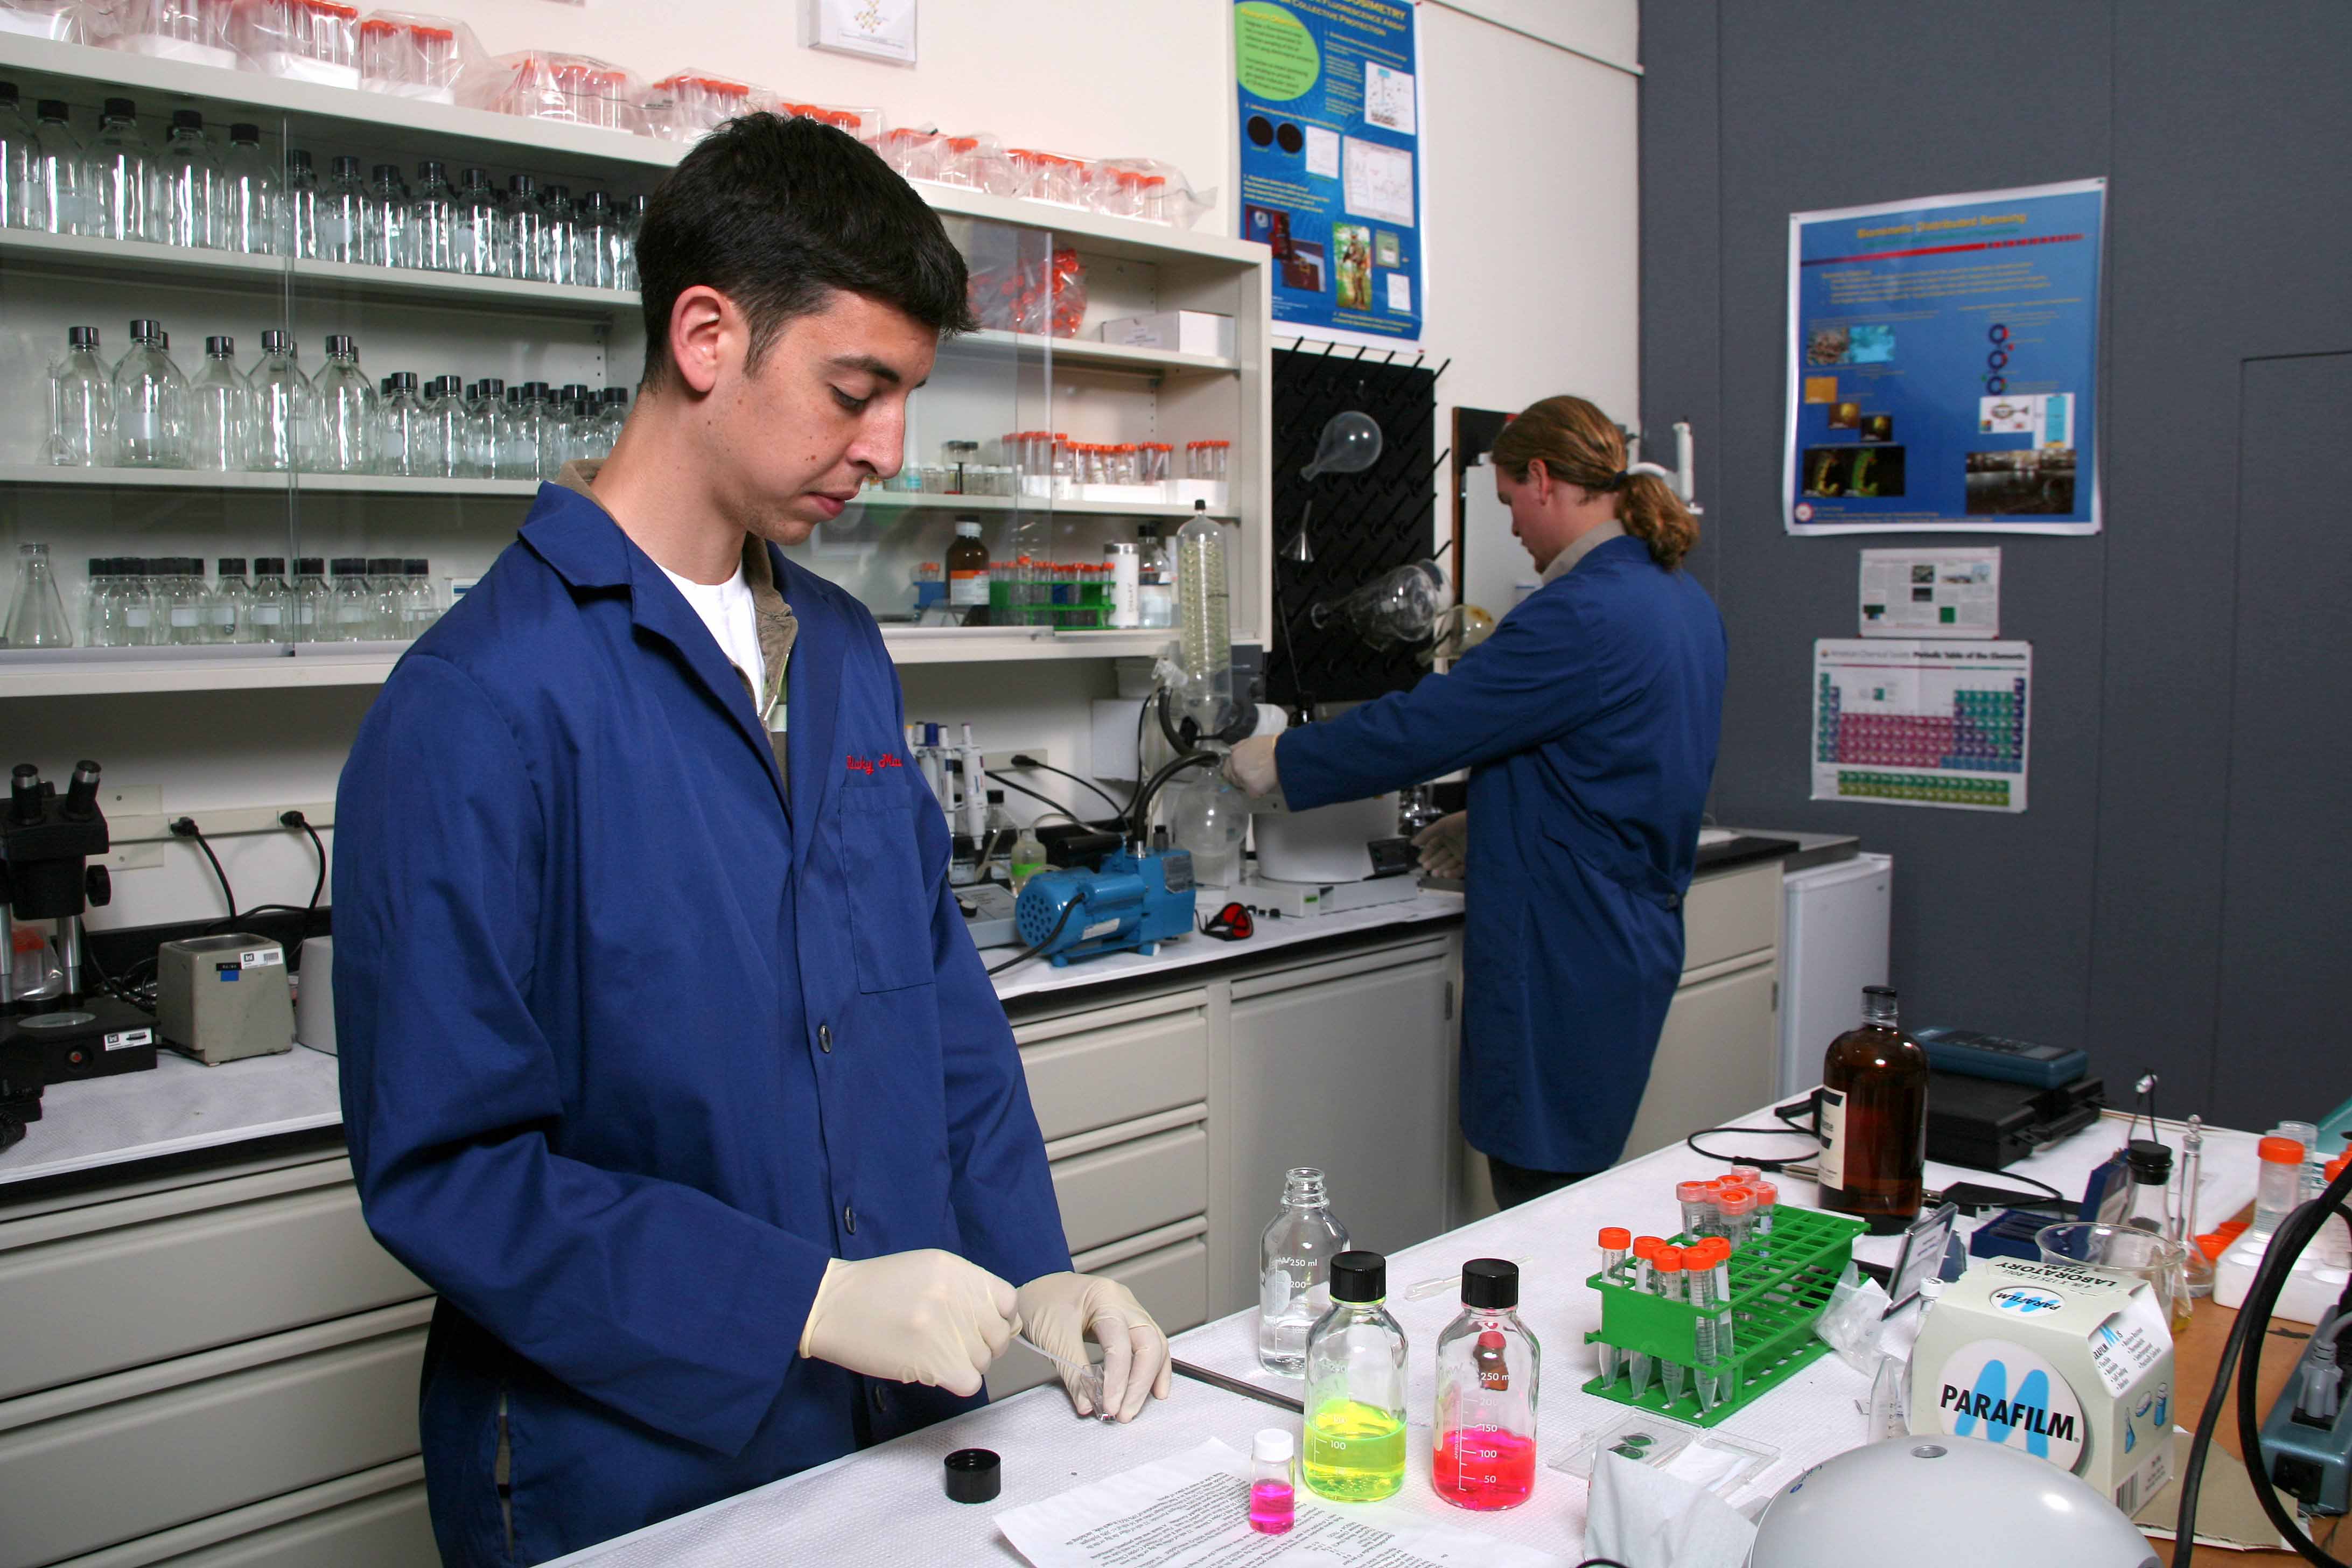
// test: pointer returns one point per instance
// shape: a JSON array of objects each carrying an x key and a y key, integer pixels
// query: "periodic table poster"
[{"x": 1922, "y": 722}]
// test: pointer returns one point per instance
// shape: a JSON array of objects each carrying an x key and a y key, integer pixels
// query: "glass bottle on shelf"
[
  {"x": 124, "y": 165},
  {"x": 246, "y": 215},
  {"x": 348, "y": 409},
  {"x": 189, "y": 185},
  {"x": 96, "y": 581},
  {"x": 433, "y": 219},
  {"x": 387, "y": 585},
  {"x": 82, "y": 418},
  {"x": 625, "y": 242},
  {"x": 592, "y": 265},
  {"x": 560, "y": 237},
  {"x": 228, "y": 607},
  {"x": 474, "y": 232},
  {"x": 609, "y": 422},
  {"x": 183, "y": 594},
  {"x": 17, "y": 159},
  {"x": 1000, "y": 830},
  {"x": 220, "y": 412},
  {"x": 405, "y": 445},
  {"x": 486, "y": 440},
  {"x": 150, "y": 398},
  {"x": 520, "y": 251},
  {"x": 134, "y": 593},
  {"x": 300, "y": 200},
  {"x": 284, "y": 408},
  {"x": 345, "y": 214},
  {"x": 352, "y": 613},
  {"x": 313, "y": 601},
  {"x": 968, "y": 575},
  {"x": 1484, "y": 1453},
  {"x": 538, "y": 420},
  {"x": 384, "y": 241},
  {"x": 1355, "y": 1442},
  {"x": 36, "y": 613},
  {"x": 517, "y": 452},
  {"x": 59, "y": 194},
  {"x": 422, "y": 605},
  {"x": 452, "y": 430},
  {"x": 1155, "y": 587},
  {"x": 270, "y": 616}
]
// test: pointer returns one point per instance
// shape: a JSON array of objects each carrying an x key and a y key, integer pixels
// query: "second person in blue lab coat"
[
  {"x": 666, "y": 1059},
  {"x": 1589, "y": 723}
]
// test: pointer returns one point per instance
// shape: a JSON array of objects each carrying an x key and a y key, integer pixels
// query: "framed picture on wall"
[{"x": 873, "y": 30}]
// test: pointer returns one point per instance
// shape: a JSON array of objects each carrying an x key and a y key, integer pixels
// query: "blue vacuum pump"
[{"x": 1134, "y": 903}]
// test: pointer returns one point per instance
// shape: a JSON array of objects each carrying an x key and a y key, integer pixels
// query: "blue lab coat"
[
  {"x": 1589, "y": 723},
  {"x": 634, "y": 1042}
]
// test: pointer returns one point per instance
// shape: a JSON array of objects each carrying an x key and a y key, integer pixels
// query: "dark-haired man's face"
[{"x": 822, "y": 410}]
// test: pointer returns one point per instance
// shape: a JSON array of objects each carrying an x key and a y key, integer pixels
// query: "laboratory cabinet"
[{"x": 455, "y": 504}]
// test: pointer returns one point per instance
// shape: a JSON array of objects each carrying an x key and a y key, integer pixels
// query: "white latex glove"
[
  {"x": 926, "y": 1316},
  {"x": 1060, "y": 1311},
  {"x": 1250, "y": 765},
  {"x": 1444, "y": 846}
]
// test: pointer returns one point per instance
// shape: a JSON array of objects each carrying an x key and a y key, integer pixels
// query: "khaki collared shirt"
[
  {"x": 778, "y": 627},
  {"x": 1565, "y": 561}
]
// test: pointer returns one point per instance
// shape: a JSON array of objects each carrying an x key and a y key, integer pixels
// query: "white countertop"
[
  {"x": 183, "y": 1106},
  {"x": 886, "y": 1505}
]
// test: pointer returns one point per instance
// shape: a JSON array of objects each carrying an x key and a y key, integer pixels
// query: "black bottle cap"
[
  {"x": 2148, "y": 1160},
  {"x": 310, "y": 565},
  {"x": 97, "y": 563},
  {"x": 346, "y": 168},
  {"x": 350, "y": 566},
  {"x": 142, "y": 328},
  {"x": 974, "y": 1475},
  {"x": 384, "y": 172},
  {"x": 341, "y": 343},
  {"x": 521, "y": 184},
  {"x": 121, "y": 109},
  {"x": 269, "y": 566},
  {"x": 405, "y": 380},
  {"x": 617, "y": 397},
  {"x": 514, "y": 397},
  {"x": 432, "y": 169},
  {"x": 559, "y": 193},
  {"x": 7, "y": 92},
  {"x": 1490, "y": 1284},
  {"x": 221, "y": 348},
  {"x": 230, "y": 566},
  {"x": 1360, "y": 1276},
  {"x": 418, "y": 566},
  {"x": 382, "y": 565},
  {"x": 245, "y": 135},
  {"x": 384, "y": 386},
  {"x": 437, "y": 386},
  {"x": 297, "y": 159},
  {"x": 1885, "y": 991},
  {"x": 573, "y": 391},
  {"x": 636, "y": 205},
  {"x": 275, "y": 342},
  {"x": 597, "y": 203},
  {"x": 537, "y": 389},
  {"x": 82, "y": 337},
  {"x": 475, "y": 179},
  {"x": 187, "y": 119},
  {"x": 56, "y": 109},
  {"x": 493, "y": 387}
]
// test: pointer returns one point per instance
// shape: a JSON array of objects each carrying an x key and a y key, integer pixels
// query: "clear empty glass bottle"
[
  {"x": 313, "y": 600},
  {"x": 422, "y": 605},
  {"x": 625, "y": 242},
  {"x": 432, "y": 220},
  {"x": 1354, "y": 1421},
  {"x": 189, "y": 190},
  {"x": 181, "y": 602},
  {"x": 150, "y": 399},
  {"x": 521, "y": 252},
  {"x": 385, "y": 242},
  {"x": 560, "y": 237},
  {"x": 60, "y": 196},
  {"x": 228, "y": 608},
  {"x": 17, "y": 159},
  {"x": 220, "y": 439},
  {"x": 36, "y": 611},
  {"x": 1294, "y": 1271},
  {"x": 300, "y": 198},
  {"x": 404, "y": 444},
  {"x": 81, "y": 417},
  {"x": 474, "y": 233},
  {"x": 345, "y": 214},
  {"x": 270, "y": 613},
  {"x": 592, "y": 263},
  {"x": 1487, "y": 1363},
  {"x": 136, "y": 588},
  {"x": 451, "y": 427},
  {"x": 122, "y": 163},
  {"x": 284, "y": 408},
  {"x": 387, "y": 585},
  {"x": 349, "y": 412},
  {"x": 97, "y": 592},
  {"x": 486, "y": 439},
  {"x": 351, "y": 618},
  {"x": 248, "y": 216}
]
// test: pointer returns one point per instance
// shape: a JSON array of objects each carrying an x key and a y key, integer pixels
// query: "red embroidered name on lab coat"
[{"x": 859, "y": 764}]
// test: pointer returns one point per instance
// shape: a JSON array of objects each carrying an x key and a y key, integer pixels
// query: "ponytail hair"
[{"x": 1578, "y": 445}]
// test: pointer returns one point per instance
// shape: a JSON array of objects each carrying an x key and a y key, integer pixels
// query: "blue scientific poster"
[
  {"x": 1330, "y": 159},
  {"x": 1942, "y": 364}
]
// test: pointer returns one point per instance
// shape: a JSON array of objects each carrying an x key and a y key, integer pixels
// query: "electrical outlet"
[{"x": 1001, "y": 762}]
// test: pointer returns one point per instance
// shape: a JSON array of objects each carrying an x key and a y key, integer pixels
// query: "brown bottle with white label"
[{"x": 1875, "y": 1119}]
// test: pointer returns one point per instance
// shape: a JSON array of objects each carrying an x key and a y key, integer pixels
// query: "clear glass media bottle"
[
  {"x": 61, "y": 197},
  {"x": 347, "y": 411},
  {"x": 81, "y": 404},
  {"x": 300, "y": 199},
  {"x": 285, "y": 409},
  {"x": 1294, "y": 1271},
  {"x": 188, "y": 188},
  {"x": 220, "y": 439},
  {"x": 248, "y": 216},
  {"x": 1874, "y": 1119},
  {"x": 1354, "y": 1423},
  {"x": 151, "y": 403},
  {"x": 1487, "y": 1366},
  {"x": 122, "y": 165},
  {"x": 16, "y": 160},
  {"x": 271, "y": 617}
]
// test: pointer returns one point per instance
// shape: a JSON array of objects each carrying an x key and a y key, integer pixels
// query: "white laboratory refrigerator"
[{"x": 1833, "y": 942}]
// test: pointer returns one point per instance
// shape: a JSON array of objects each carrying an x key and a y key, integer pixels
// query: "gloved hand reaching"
[
  {"x": 1058, "y": 1311},
  {"x": 1444, "y": 846},
  {"x": 926, "y": 1316},
  {"x": 1250, "y": 765}
]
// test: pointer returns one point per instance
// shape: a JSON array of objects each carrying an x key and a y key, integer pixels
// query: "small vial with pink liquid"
[{"x": 1274, "y": 1498}]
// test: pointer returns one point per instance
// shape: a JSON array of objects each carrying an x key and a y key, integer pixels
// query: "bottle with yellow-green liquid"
[{"x": 1354, "y": 1444}]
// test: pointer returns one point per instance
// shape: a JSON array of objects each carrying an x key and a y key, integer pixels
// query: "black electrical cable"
[
  {"x": 319, "y": 885},
  {"x": 1021, "y": 760},
  {"x": 1142, "y": 712},
  {"x": 1151, "y": 786},
  {"x": 185, "y": 827},
  {"x": 111, "y": 986},
  {"x": 1027, "y": 954},
  {"x": 1792, "y": 1114},
  {"x": 2278, "y": 1262},
  {"x": 1059, "y": 809}
]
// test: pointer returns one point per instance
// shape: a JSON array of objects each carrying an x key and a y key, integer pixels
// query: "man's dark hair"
[{"x": 779, "y": 214}]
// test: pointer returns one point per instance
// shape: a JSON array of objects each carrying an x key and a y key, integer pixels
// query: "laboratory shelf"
[
  {"x": 38, "y": 474},
  {"x": 1093, "y": 355},
  {"x": 904, "y": 500}
]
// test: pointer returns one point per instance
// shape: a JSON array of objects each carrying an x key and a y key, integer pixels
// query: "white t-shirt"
[{"x": 726, "y": 609}]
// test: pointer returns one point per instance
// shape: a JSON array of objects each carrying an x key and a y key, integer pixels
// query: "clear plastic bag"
[
  {"x": 865, "y": 124},
  {"x": 1014, "y": 293},
  {"x": 1853, "y": 1321},
  {"x": 60, "y": 21},
  {"x": 978, "y": 164},
  {"x": 536, "y": 85},
  {"x": 200, "y": 32},
  {"x": 687, "y": 105},
  {"x": 1162, "y": 193},
  {"x": 409, "y": 55},
  {"x": 915, "y": 154},
  {"x": 303, "y": 40}
]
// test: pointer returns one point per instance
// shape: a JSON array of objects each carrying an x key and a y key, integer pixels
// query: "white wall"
[{"x": 1529, "y": 193}]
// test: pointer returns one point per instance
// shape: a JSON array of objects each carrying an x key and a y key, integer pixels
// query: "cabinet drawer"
[
  {"x": 393, "y": 1531},
  {"x": 112, "y": 1473},
  {"x": 1081, "y": 1079},
  {"x": 1173, "y": 1283},
  {"x": 1734, "y": 913},
  {"x": 125, "y": 1296},
  {"x": 1132, "y": 1186}
]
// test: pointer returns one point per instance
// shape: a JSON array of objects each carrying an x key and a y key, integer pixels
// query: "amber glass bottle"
[{"x": 1875, "y": 1117}]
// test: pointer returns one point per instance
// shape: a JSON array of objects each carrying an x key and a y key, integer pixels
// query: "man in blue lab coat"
[
  {"x": 1589, "y": 723},
  {"x": 666, "y": 1059}
]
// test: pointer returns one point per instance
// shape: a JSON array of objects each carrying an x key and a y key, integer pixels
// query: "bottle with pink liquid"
[
  {"x": 1488, "y": 1364},
  {"x": 1274, "y": 1494}
]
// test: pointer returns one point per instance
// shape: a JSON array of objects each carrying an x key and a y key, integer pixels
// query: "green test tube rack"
[{"x": 1779, "y": 1284}]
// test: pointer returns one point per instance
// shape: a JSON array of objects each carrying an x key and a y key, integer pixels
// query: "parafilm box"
[{"x": 2072, "y": 1365}]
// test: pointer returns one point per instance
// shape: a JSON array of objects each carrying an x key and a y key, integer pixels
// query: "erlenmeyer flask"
[
  {"x": 36, "y": 614},
  {"x": 1350, "y": 443}
]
